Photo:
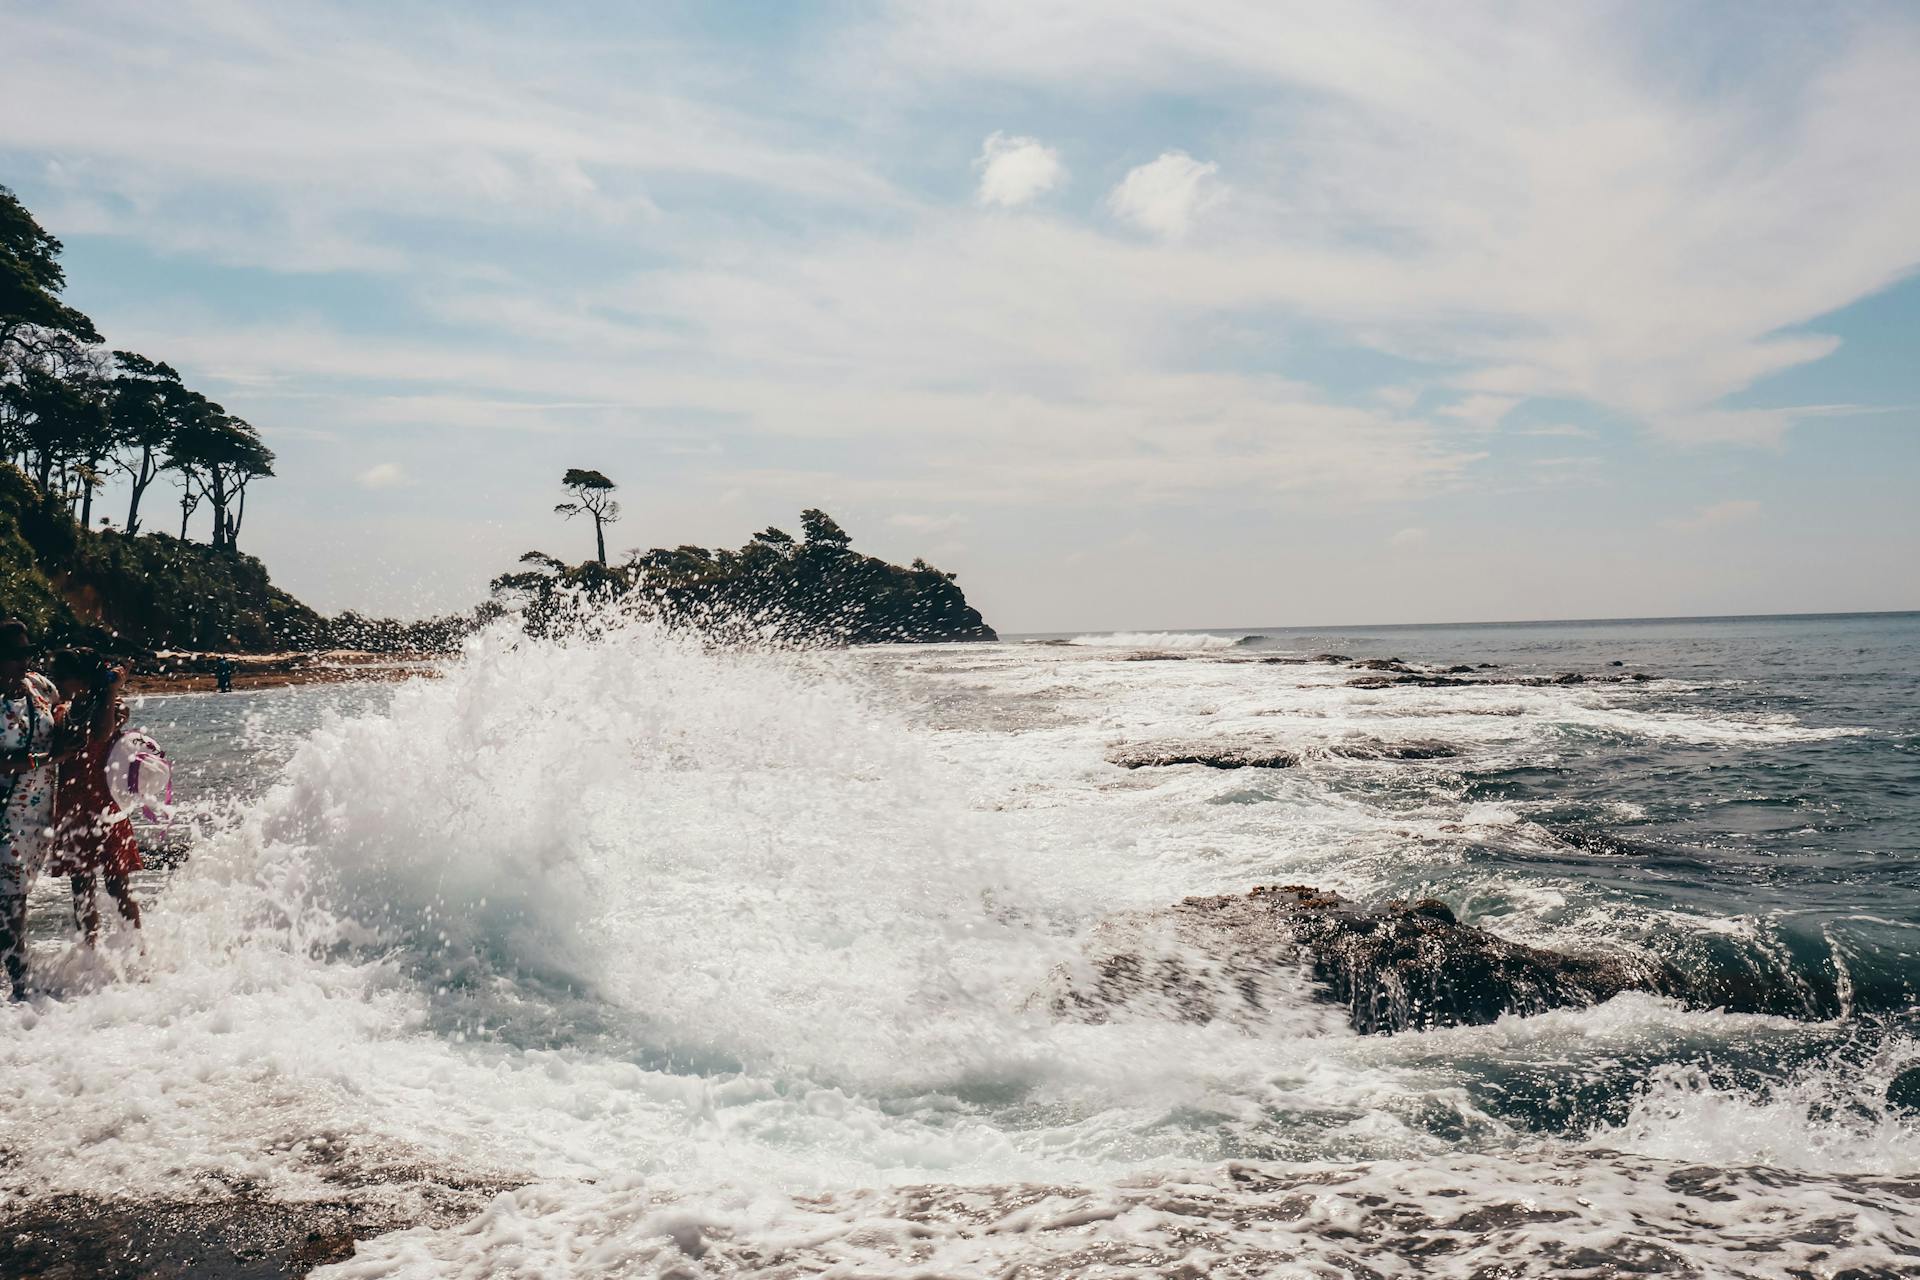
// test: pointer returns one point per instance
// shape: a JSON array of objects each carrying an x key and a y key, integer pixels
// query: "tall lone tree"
[
  {"x": 592, "y": 495},
  {"x": 147, "y": 405}
]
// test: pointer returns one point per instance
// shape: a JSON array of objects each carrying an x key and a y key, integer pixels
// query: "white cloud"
[
  {"x": 1014, "y": 171},
  {"x": 1534, "y": 200},
  {"x": 648, "y": 252},
  {"x": 1407, "y": 539},
  {"x": 1717, "y": 516},
  {"x": 382, "y": 475},
  {"x": 1167, "y": 195},
  {"x": 265, "y": 135}
]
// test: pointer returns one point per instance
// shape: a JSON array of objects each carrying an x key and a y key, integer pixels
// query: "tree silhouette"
[
  {"x": 30, "y": 282},
  {"x": 243, "y": 458},
  {"x": 592, "y": 495},
  {"x": 217, "y": 456},
  {"x": 821, "y": 530},
  {"x": 54, "y": 417},
  {"x": 145, "y": 406}
]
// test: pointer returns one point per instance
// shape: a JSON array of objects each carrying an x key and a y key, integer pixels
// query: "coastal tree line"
[
  {"x": 74, "y": 415},
  {"x": 811, "y": 589}
]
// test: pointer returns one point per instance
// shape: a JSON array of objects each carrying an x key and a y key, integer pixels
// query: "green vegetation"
[
  {"x": 71, "y": 416},
  {"x": 129, "y": 595}
]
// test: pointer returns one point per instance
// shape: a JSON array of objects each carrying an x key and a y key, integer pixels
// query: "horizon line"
[{"x": 1482, "y": 622}]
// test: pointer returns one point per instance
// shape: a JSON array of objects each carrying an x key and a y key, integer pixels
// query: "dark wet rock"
[
  {"x": 1380, "y": 664},
  {"x": 1616, "y": 663},
  {"x": 1417, "y": 749},
  {"x": 1457, "y": 669},
  {"x": 1212, "y": 755},
  {"x": 1903, "y": 1091},
  {"x": 1451, "y": 678},
  {"x": 1402, "y": 966},
  {"x": 106, "y": 1239},
  {"x": 1295, "y": 659},
  {"x": 244, "y": 1234},
  {"x": 1413, "y": 679}
]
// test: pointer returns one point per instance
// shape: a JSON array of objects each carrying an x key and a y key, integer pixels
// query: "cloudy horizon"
[{"x": 1133, "y": 317}]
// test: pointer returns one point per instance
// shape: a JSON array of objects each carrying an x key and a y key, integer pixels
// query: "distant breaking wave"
[{"x": 1160, "y": 640}]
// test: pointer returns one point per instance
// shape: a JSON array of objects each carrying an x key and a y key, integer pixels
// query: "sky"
[{"x": 1133, "y": 315}]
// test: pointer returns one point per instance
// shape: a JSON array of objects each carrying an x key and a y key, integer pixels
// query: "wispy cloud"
[{"x": 622, "y": 232}]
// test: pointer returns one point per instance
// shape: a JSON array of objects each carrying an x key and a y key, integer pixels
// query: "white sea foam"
[
  {"x": 1828, "y": 1118},
  {"x": 1170, "y": 641},
  {"x": 720, "y": 951},
  {"x": 1531, "y": 1215}
]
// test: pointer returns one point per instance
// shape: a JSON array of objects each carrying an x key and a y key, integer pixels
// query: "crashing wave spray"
[{"x": 735, "y": 847}]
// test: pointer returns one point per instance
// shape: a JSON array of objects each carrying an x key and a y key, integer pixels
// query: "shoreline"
[{"x": 194, "y": 672}]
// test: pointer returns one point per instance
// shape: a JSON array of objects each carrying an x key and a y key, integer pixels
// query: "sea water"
[{"x": 674, "y": 960}]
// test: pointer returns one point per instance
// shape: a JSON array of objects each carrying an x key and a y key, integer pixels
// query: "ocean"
[{"x": 632, "y": 957}]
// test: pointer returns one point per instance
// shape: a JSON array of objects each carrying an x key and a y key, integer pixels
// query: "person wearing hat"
[{"x": 27, "y": 701}]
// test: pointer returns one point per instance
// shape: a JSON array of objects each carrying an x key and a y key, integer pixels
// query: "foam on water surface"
[{"x": 721, "y": 953}]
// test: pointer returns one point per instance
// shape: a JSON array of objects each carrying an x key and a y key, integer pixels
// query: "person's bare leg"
[
  {"x": 13, "y": 941},
  {"x": 120, "y": 892},
  {"x": 86, "y": 908}
]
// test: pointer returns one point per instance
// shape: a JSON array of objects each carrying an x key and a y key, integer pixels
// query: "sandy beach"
[{"x": 184, "y": 672}]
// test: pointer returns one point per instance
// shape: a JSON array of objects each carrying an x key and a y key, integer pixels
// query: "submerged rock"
[
  {"x": 1389, "y": 676},
  {"x": 1403, "y": 966},
  {"x": 1212, "y": 755},
  {"x": 1417, "y": 749},
  {"x": 1416, "y": 679}
]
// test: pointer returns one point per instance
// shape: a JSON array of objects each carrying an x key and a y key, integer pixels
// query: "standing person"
[
  {"x": 26, "y": 790},
  {"x": 223, "y": 674},
  {"x": 90, "y": 835}
]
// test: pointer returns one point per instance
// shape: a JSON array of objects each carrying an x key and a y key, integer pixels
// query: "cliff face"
[{"x": 154, "y": 591}]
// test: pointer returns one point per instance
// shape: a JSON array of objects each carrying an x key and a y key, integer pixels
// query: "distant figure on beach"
[
  {"x": 91, "y": 836},
  {"x": 27, "y": 702},
  {"x": 223, "y": 674}
]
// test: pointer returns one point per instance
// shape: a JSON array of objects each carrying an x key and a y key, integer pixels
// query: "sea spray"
[{"x": 696, "y": 958}]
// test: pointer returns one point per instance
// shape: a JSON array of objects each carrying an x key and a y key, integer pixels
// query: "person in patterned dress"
[
  {"x": 27, "y": 701},
  {"x": 91, "y": 837}
]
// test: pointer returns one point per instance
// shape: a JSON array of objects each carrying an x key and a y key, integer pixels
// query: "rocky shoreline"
[
  {"x": 1395, "y": 966},
  {"x": 239, "y": 1235}
]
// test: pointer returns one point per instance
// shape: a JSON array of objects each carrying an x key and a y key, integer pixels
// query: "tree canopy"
[
  {"x": 774, "y": 587},
  {"x": 72, "y": 416},
  {"x": 593, "y": 496},
  {"x": 31, "y": 279}
]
